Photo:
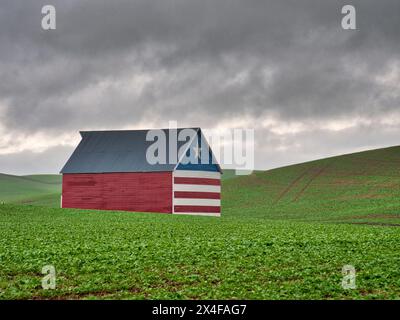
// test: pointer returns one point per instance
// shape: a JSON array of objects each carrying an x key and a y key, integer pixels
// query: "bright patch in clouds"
[{"x": 13, "y": 143}]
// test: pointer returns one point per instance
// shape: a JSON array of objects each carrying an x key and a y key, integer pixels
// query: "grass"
[
  {"x": 52, "y": 179},
  {"x": 30, "y": 189},
  {"x": 283, "y": 234},
  {"x": 358, "y": 185},
  {"x": 228, "y": 174},
  {"x": 154, "y": 256}
]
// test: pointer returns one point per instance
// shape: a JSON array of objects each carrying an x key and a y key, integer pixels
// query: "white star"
[{"x": 197, "y": 151}]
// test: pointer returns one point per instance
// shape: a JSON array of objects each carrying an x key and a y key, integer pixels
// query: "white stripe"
[
  {"x": 214, "y": 214},
  {"x": 197, "y": 174},
  {"x": 197, "y": 202},
  {"x": 173, "y": 190},
  {"x": 196, "y": 188}
]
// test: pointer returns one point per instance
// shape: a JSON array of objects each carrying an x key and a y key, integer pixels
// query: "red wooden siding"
[{"x": 148, "y": 192}]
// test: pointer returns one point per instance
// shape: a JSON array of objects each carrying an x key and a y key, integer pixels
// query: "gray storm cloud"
[{"x": 285, "y": 68}]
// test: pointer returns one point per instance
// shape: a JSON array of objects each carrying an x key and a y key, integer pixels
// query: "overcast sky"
[{"x": 283, "y": 67}]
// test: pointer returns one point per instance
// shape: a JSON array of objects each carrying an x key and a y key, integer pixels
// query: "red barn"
[{"x": 110, "y": 170}]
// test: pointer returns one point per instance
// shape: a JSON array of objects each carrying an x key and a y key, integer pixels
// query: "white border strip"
[
  {"x": 197, "y": 202},
  {"x": 196, "y": 188},
  {"x": 213, "y": 214},
  {"x": 173, "y": 190},
  {"x": 197, "y": 174}
]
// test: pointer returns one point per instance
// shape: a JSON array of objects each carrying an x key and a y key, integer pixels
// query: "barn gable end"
[{"x": 197, "y": 186}]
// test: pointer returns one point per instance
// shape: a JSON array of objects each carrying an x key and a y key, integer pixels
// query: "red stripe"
[
  {"x": 206, "y": 181},
  {"x": 197, "y": 209},
  {"x": 197, "y": 195}
]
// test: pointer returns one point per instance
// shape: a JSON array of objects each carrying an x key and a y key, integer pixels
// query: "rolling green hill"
[
  {"x": 52, "y": 179},
  {"x": 358, "y": 186},
  {"x": 31, "y": 189}
]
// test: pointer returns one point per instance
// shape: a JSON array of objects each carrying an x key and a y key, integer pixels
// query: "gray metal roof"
[{"x": 116, "y": 151}]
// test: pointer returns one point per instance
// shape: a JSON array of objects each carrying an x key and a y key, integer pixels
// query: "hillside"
[
  {"x": 31, "y": 189},
  {"x": 358, "y": 186}
]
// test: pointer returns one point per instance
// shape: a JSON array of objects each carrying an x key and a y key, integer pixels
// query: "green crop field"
[{"x": 284, "y": 234}]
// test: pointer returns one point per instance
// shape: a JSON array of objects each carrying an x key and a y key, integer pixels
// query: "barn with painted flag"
[{"x": 167, "y": 170}]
